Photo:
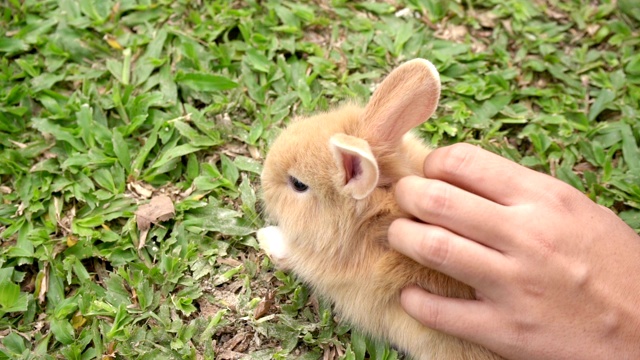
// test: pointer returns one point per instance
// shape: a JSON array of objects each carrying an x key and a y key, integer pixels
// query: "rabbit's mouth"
[{"x": 273, "y": 242}]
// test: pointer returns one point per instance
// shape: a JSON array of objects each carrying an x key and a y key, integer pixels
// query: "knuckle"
[
  {"x": 453, "y": 158},
  {"x": 580, "y": 275},
  {"x": 434, "y": 316},
  {"x": 434, "y": 198},
  {"x": 435, "y": 247},
  {"x": 563, "y": 197}
]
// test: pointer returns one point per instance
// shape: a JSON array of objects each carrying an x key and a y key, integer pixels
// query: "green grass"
[{"x": 105, "y": 104}]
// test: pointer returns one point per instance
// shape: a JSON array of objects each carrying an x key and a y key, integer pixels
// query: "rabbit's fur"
[{"x": 334, "y": 234}]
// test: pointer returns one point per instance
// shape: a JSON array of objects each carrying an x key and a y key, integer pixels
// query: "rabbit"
[{"x": 328, "y": 183}]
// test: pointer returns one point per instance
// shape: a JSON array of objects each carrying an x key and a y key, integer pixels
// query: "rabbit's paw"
[{"x": 274, "y": 244}]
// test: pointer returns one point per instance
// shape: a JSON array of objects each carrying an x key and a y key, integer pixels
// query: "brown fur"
[{"x": 337, "y": 244}]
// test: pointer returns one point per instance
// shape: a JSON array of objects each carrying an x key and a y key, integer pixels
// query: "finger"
[
  {"x": 457, "y": 210},
  {"x": 473, "y": 320},
  {"x": 486, "y": 174},
  {"x": 439, "y": 249}
]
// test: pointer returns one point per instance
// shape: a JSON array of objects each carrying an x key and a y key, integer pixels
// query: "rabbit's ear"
[
  {"x": 407, "y": 97},
  {"x": 356, "y": 164}
]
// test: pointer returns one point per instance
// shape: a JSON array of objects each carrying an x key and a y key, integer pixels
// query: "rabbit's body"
[{"x": 333, "y": 234}]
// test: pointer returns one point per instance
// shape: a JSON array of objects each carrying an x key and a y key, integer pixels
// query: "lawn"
[{"x": 132, "y": 135}]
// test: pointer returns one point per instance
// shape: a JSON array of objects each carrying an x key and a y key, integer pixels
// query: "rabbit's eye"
[{"x": 298, "y": 185}]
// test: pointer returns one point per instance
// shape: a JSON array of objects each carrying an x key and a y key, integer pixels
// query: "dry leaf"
[
  {"x": 18, "y": 144},
  {"x": 71, "y": 240},
  {"x": 44, "y": 282},
  {"x": 580, "y": 168},
  {"x": 329, "y": 353},
  {"x": 235, "y": 341},
  {"x": 254, "y": 152},
  {"x": 20, "y": 210},
  {"x": 112, "y": 41},
  {"x": 229, "y": 355},
  {"x": 507, "y": 26},
  {"x": 264, "y": 306},
  {"x": 187, "y": 192},
  {"x": 229, "y": 261},
  {"x": 455, "y": 33},
  {"x": 57, "y": 205},
  {"x": 593, "y": 29},
  {"x": 159, "y": 209},
  {"x": 556, "y": 15},
  {"x": 406, "y": 12},
  {"x": 140, "y": 190},
  {"x": 77, "y": 321},
  {"x": 67, "y": 219},
  {"x": 110, "y": 351},
  {"x": 49, "y": 155},
  {"x": 234, "y": 149},
  {"x": 487, "y": 19}
]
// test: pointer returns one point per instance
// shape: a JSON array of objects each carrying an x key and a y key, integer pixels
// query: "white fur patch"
[{"x": 273, "y": 242}]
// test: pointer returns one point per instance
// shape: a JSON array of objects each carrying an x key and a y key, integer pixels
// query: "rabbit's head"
[{"x": 326, "y": 177}]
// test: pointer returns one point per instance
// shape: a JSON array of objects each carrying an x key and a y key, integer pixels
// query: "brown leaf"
[
  {"x": 329, "y": 354},
  {"x": 20, "y": 210},
  {"x": 229, "y": 261},
  {"x": 593, "y": 29},
  {"x": 556, "y": 15},
  {"x": 487, "y": 19},
  {"x": 264, "y": 306},
  {"x": 255, "y": 153},
  {"x": 234, "y": 149},
  {"x": 580, "y": 168},
  {"x": 229, "y": 355},
  {"x": 456, "y": 33},
  {"x": 159, "y": 209},
  {"x": 238, "y": 339},
  {"x": 65, "y": 221},
  {"x": 507, "y": 26}
]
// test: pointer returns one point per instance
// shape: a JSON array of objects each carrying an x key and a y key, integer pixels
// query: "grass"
[{"x": 106, "y": 104}]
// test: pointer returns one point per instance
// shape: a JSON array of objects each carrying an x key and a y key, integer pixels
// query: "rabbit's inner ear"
[
  {"x": 405, "y": 99},
  {"x": 356, "y": 165}
]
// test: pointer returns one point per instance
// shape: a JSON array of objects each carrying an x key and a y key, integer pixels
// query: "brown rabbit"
[{"x": 328, "y": 183}]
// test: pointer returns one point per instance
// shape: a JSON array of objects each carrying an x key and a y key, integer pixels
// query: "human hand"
[{"x": 556, "y": 275}]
